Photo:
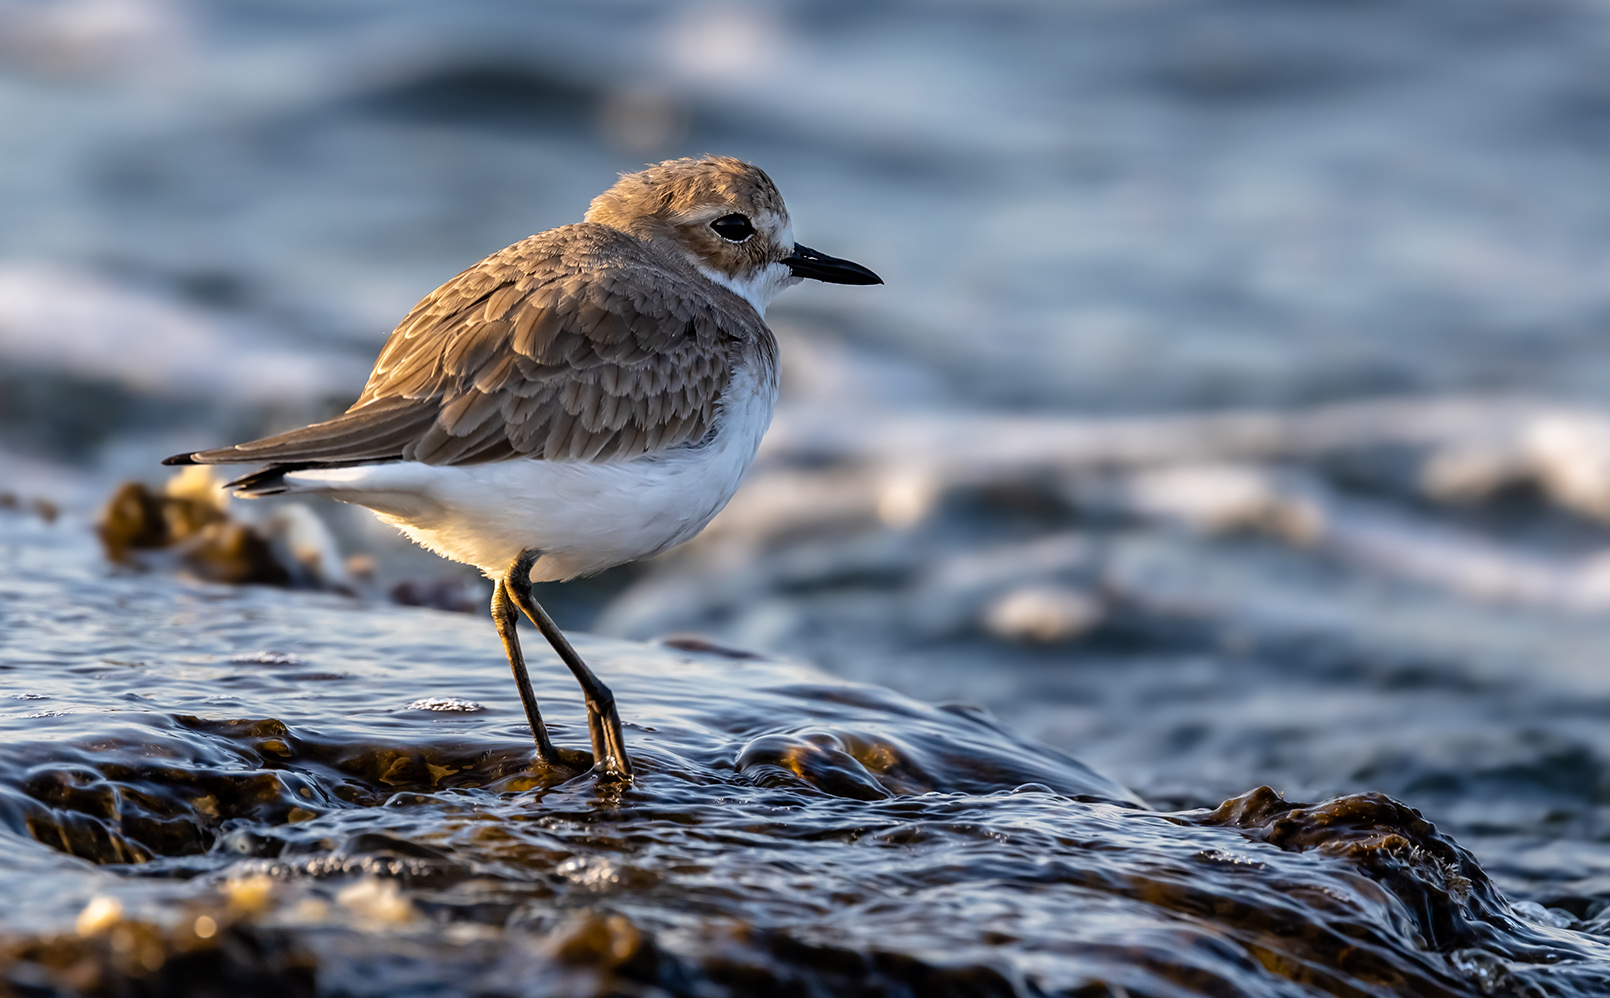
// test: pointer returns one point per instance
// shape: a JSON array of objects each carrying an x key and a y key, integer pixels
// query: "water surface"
[{"x": 297, "y": 792}]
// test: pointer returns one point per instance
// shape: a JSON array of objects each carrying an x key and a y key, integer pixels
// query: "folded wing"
[{"x": 579, "y": 344}]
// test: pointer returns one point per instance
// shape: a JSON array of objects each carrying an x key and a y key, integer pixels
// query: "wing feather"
[{"x": 578, "y": 344}]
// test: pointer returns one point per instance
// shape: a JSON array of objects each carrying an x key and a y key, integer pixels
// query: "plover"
[{"x": 586, "y": 397}]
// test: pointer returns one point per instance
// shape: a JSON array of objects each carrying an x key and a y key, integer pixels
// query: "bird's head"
[{"x": 730, "y": 221}]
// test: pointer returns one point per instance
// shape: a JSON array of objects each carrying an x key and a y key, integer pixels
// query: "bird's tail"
[{"x": 269, "y": 481}]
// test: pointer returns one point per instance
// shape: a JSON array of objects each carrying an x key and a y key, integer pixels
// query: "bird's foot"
[
  {"x": 610, "y": 769},
  {"x": 567, "y": 764}
]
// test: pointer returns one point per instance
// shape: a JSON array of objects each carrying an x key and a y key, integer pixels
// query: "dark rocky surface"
[{"x": 248, "y": 790}]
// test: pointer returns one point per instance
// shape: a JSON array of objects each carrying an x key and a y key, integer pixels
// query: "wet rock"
[
  {"x": 816, "y": 760},
  {"x": 190, "y": 524},
  {"x": 43, "y": 508},
  {"x": 1454, "y": 907},
  {"x": 136, "y": 957}
]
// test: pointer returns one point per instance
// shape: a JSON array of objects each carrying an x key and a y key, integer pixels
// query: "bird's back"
[{"x": 581, "y": 343}]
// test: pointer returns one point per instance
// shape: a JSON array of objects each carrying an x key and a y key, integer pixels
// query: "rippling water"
[{"x": 276, "y": 792}]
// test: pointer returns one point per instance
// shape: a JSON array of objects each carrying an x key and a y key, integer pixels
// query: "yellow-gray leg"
[
  {"x": 603, "y": 723},
  {"x": 504, "y": 618}
]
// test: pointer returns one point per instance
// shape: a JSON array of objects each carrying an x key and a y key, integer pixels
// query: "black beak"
[{"x": 806, "y": 262}]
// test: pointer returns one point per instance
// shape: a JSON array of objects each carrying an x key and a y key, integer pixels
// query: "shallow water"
[{"x": 289, "y": 791}]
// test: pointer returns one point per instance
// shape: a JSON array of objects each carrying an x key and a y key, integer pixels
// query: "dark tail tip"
[
  {"x": 180, "y": 459},
  {"x": 269, "y": 481}
]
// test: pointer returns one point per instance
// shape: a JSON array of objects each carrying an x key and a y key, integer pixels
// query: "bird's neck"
[{"x": 758, "y": 287}]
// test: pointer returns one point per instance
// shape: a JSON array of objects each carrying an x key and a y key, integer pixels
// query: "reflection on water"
[{"x": 292, "y": 790}]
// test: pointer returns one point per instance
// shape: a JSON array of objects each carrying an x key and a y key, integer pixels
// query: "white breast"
[{"x": 583, "y": 516}]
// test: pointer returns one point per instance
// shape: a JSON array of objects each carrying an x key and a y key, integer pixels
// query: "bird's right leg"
[{"x": 504, "y": 616}]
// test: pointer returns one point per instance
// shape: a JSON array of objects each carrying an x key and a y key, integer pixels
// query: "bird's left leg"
[{"x": 603, "y": 722}]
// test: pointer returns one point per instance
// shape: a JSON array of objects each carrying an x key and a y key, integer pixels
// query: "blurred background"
[{"x": 1234, "y": 412}]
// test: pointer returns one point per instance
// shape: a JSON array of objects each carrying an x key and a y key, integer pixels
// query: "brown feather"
[
  {"x": 581, "y": 343},
  {"x": 502, "y": 302}
]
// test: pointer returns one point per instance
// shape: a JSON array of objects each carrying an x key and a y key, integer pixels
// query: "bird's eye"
[{"x": 734, "y": 227}]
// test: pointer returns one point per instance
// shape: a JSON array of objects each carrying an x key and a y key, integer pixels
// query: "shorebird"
[{"x": 586, "y": 397}]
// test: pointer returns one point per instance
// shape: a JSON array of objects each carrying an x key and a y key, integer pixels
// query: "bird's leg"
[
  {"x": 504, "y": 617},
  {"x": 603, "y": 723}
]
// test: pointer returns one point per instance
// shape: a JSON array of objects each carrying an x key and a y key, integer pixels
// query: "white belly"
[{"x": 583, "y": 516}]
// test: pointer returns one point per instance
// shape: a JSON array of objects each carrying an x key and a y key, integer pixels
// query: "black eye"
[{"x": 734, "y": 227}]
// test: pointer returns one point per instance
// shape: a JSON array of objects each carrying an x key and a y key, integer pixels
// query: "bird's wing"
[{"x": 580, "y": 344}]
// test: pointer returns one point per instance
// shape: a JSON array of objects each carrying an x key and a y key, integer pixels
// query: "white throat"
[{"x": 759, "y": 288}]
